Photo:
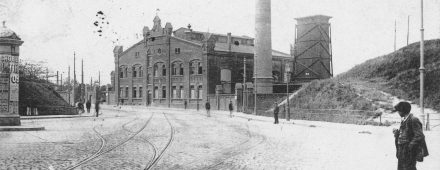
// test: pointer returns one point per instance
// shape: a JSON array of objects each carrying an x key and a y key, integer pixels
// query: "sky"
[{"x": 52, "y": 30}]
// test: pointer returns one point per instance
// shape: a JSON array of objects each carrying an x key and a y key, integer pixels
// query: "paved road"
[{"x": 155, "y": 138}]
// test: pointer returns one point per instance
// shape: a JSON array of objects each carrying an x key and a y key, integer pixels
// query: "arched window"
[
  {"x": 141, "y": 71},
  {"x": 164, "y": 70},
  {"x": 199, "y": 65},
  {"x": 126, "y": 72},
  {"x": 134, "y": 71},
  {"x": 156, "y": 70},
  {"x": 181, "y": 69},
  {"x": 191, "y": 68},
  {"x": 173, "y": 69},
  {"x": 200, "y": 92},
  {"x": 122, "y": 71}
]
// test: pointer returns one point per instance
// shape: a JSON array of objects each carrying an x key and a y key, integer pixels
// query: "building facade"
[{"x": 169, "y": 67}]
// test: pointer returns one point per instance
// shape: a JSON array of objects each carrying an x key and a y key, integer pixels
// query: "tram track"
[
  {"x": 165, "y": 148},
  {"x": 101, "y": 150}
]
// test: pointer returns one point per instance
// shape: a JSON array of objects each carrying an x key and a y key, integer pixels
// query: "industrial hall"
[{"x": 184, "y": 67}]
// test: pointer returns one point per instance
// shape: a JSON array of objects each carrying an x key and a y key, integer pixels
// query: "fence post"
[{"x": 427, "y": 121}]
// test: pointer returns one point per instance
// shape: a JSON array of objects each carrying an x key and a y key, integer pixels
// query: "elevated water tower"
[{"x": 313, "y": 50}]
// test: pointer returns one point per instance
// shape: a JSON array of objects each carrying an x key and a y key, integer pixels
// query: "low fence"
[
  {"x": 334, "y": 115},
  {"x": 49, "y": 110}
]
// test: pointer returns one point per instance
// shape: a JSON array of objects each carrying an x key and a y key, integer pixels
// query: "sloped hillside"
[
  {"x": 398, "y": 73},
  {"x": 40, "y": 95},
  {"x": 330, "y": 94}
]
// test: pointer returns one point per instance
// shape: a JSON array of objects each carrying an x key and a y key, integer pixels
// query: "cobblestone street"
[{"x": 158, "y": 138}]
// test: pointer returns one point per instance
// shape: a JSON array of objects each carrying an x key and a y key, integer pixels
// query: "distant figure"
[
  {"x": 409, "y": 139},
  {"x": 185, "y": 104},
  {"x": 285, "y": 111},
  {"x": 275, "y": 113},
  {"x": 88, "y": 105},
  {"x": 208, "y": 108},
  {"x": 231, "y": 108},
  {"x": 81, "y": 107},
  {"x": 97, "y": 107}
]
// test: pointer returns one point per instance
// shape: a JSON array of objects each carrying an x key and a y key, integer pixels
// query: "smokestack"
[
  {"x": 229, "y": 41},
  {"x": 263, "y": 47}
]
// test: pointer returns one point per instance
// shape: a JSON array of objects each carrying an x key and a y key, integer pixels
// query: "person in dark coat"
[
  {"x": 97, "y": 107},
  {"x": 276, "y": 110},
  {"x": 231, "y": 108},
  {"x": 409, "y": 139},
  {"x": 208, "y": 108},
  {"x": 81, "y": 107},
  {"x": 185, "y": 104},
  {"x": 88, "y": 105}
]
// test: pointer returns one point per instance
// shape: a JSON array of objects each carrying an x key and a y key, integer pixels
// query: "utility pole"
[
  {"x": 244, "y": 85},
  {"x": 69, "y": 87},
  {"x": 61, "y": 81},
  {"x": 395, "y": 30},
  {"x": 74, "y": 77},
  {"x": 407, "y": 34},
  {"x": 99, "y": 79},
  {"x": 82, "y": 81},
  {"x": 422, "y": 67},
  {"x": 255, "y": 84},
  {"x": 57, "y": 80}
]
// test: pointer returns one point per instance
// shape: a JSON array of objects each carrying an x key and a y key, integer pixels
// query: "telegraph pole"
[
  {"x": 422, "y": 67},
  {"x": 407, "y": 34},
  {"x": 69, "y": 87},
  {"x": 82, "y": 81},
  {"x": 244, "y": 98},
  {"x": 74, "y": 76},
  {"x": 395, "y": 30}
]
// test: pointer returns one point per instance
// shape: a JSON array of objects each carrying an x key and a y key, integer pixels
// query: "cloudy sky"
[{"x": 54, "y": 29}]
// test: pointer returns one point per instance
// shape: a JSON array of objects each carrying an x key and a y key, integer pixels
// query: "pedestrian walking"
[
  {"x": 275, "y": 113},
  {"x": 185, "y": 104},
  {"x": 97, "y": 107},
  {"x": 88, "y": 105},
  {"x": 409, "y": 139},
  {"x": 231, "y": 108},
  {"x": 81, "y": 107},
  {"x": 208, "y": 108}
]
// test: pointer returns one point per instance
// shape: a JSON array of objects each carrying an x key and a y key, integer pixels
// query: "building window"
[
  {"x": 120, "y": 92},
  {"x": 177, "y": 50},
  {"x": 193, "y": 92},
  {"x": 181, "y": 69},
  {"x": 134, "y": 72},
  {"x": 174, "y": 92},
  {"x": 126, "y": 72},
  {"x": 156, "y": 92},
  {"x": 199, "y": 64},
  {"x": 141, "y": 71},
  {"x": 182, "y": 92},
  {"x": 191, "y": 68},
  {"x": 164, "y": 70},
  {"x": 121, "y": 74},
  {"x": 173, "y": 69},
  {"x": 140, "y": 92},
  {"x": 200, "y": 92},
  {"x": 133, "y": 95},
  {"x": 155, "y": 70},
  {"x": 126, "y": 92},
  {"x": 136, "y": 54},
  {"x": 164, "y": 92}
]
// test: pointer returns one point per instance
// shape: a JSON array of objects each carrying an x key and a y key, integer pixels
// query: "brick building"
[{"x": 169, "y": 66}]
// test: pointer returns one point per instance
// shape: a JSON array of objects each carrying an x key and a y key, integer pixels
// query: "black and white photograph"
[{"x": 219, "y": 84}]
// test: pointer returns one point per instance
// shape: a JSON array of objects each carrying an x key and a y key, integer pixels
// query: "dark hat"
[{"x": 404, "y": 107}]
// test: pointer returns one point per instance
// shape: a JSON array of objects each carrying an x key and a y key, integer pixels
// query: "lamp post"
[
  {"x": 288, "y": 96},
  {"x": 422, "y": 68}
]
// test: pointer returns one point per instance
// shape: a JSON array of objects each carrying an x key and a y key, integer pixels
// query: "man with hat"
[
  {"x": 275, "y": 112},
  {"x": 409, "y": 139}
]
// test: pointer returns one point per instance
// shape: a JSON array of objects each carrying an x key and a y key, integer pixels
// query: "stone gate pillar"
[{"x": 9, "y": 77}]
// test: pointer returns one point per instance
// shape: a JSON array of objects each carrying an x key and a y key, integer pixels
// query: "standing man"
[
  {"x": 208, "y": 107},
  {"x": 97, "y": 107},
  {"x": 231, "y": 108},
  {"x": 88, "y": 105},
  {"x": 185, "y": 104},
  {"x": 275, "y": 113},
  {"x": 409, "y": 139}
]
